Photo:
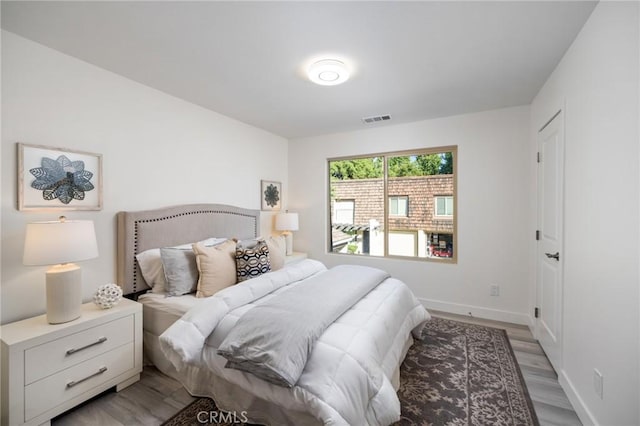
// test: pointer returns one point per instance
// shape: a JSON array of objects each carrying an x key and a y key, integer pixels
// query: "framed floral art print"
[
  {"x": 58, "y": 179},
  {"x": 270, "y": 194}
]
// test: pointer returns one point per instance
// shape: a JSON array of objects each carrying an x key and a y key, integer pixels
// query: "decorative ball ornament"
[{"x": 107, "y": 296}]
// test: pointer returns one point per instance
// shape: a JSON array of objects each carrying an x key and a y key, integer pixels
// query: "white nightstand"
[
  {"x": 295, "y": 257},
  {"x": 49, "y": 368}
]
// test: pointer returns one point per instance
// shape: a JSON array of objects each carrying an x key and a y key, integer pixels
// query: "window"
[
  {"x": 343, "y": 210},
  {"x": 444, "y": 206},
  {"x": 410, "y": 225},
  {"x": 398, "y": 206}
]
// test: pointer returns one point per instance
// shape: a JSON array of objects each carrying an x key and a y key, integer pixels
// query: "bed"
[
  {"x": 368, "y": 399},
  {"x": 139, "y": 231}
]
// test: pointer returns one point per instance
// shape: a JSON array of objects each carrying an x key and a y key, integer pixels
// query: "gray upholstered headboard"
[{"x": 170, "y": 226}]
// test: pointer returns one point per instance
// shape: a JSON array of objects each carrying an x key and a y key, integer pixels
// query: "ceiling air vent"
[{"x": 376, "y": 118}]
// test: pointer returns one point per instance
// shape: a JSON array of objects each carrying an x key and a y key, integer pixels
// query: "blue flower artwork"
[
  {"x": 271, "y": 195},
  {"x": 62, "y": 179}
]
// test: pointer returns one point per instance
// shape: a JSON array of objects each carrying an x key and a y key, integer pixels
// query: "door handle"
[{"x": 555, "y": 256}]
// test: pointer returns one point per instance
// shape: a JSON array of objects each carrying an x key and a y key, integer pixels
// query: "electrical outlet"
[
  {"x": 598, "y": 383},
  {"x": 494, "y": 290}
]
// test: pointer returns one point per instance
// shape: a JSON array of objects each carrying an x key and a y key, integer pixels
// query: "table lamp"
[
  {"x": 59, "y": 243},
  {"x": 287, "y": 222}
]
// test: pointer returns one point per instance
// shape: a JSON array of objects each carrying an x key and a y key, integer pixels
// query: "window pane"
[
  {"x": 449, "y": 206},
  {"x": 357, "y": 206},
  {"x": 440, "y": 206},
  {"x": 412, "y": 181},
  {"x": 402, "y": 206},
  {"x": 393, "y": 206},
  {"x": 420, "y": 190},
  {"x": 398, "y": 206},
  {"x": 444, "y": 206}
]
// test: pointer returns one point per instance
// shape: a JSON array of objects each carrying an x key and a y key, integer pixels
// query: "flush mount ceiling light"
[{"x": 328, "y": 72}]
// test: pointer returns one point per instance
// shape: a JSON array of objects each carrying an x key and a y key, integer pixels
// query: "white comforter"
[{"x": 346, "y": 380}]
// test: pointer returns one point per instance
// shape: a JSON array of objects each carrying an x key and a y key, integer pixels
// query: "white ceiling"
[{"x": 413, "y": 60}]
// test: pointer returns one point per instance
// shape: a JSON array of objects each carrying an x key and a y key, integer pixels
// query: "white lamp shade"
[
  {"x": 287, "y": 222},
  {"x": 52, "y": 243}
]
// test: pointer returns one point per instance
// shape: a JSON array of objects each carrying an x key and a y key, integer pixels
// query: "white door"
[{"x": 549, "y": 253}]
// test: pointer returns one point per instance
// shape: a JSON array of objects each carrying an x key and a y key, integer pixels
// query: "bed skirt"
[{"x": 230, "y": 397}]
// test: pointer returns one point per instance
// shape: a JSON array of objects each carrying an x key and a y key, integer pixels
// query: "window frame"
[
  {"x": 453, "y": 149},
  {"x": 398, "y": 197},
  {"x": 435, "y": 207}
]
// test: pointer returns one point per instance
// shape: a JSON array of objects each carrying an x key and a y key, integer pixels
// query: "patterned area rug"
[{"x": 460, "y": 374}]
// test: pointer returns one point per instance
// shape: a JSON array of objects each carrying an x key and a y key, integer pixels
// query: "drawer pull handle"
[
  {"x": 77, "y": 382},
  {"x": 97, "y": 342}
]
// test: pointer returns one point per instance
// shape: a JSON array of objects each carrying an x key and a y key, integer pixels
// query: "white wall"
[
  {"x": 494, "y": 208},
  {"x": 598, "y": 81},
  {"x": 1, "y": 236},
  {"x": 157, "y": 151}
]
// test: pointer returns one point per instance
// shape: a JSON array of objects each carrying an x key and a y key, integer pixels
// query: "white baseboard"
[
  {"x": 532, "y": 326},
  {"x": 578, "y": 404},
  {"x": 477, "y": 311}
]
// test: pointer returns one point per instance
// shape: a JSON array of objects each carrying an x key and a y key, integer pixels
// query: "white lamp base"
[
  {"x": 288, "y": 239},
  {"x": 64, "y": 293}
]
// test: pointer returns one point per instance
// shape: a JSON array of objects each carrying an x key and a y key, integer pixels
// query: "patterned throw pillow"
[{"x": 252, "y": 259}]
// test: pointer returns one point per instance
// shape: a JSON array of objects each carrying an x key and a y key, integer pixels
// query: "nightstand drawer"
[
  {"x": 51, "y": 357},
  {"x": 72, "y": 382}
]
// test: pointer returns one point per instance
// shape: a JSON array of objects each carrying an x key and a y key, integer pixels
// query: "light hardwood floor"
[
  {"x": 549, "y": 400},
  {"x": 157, "y": 397}
]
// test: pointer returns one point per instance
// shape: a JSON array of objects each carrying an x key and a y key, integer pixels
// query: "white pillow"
[{"x": 150, "y": 264}]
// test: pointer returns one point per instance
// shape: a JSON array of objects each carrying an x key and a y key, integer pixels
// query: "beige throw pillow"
[
  {"x": 277, "y": 251},
  {"x": 217, "y": 267}
]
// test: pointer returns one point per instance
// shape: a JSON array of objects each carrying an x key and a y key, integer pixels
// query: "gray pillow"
[{"x": 180, "y": 271}]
